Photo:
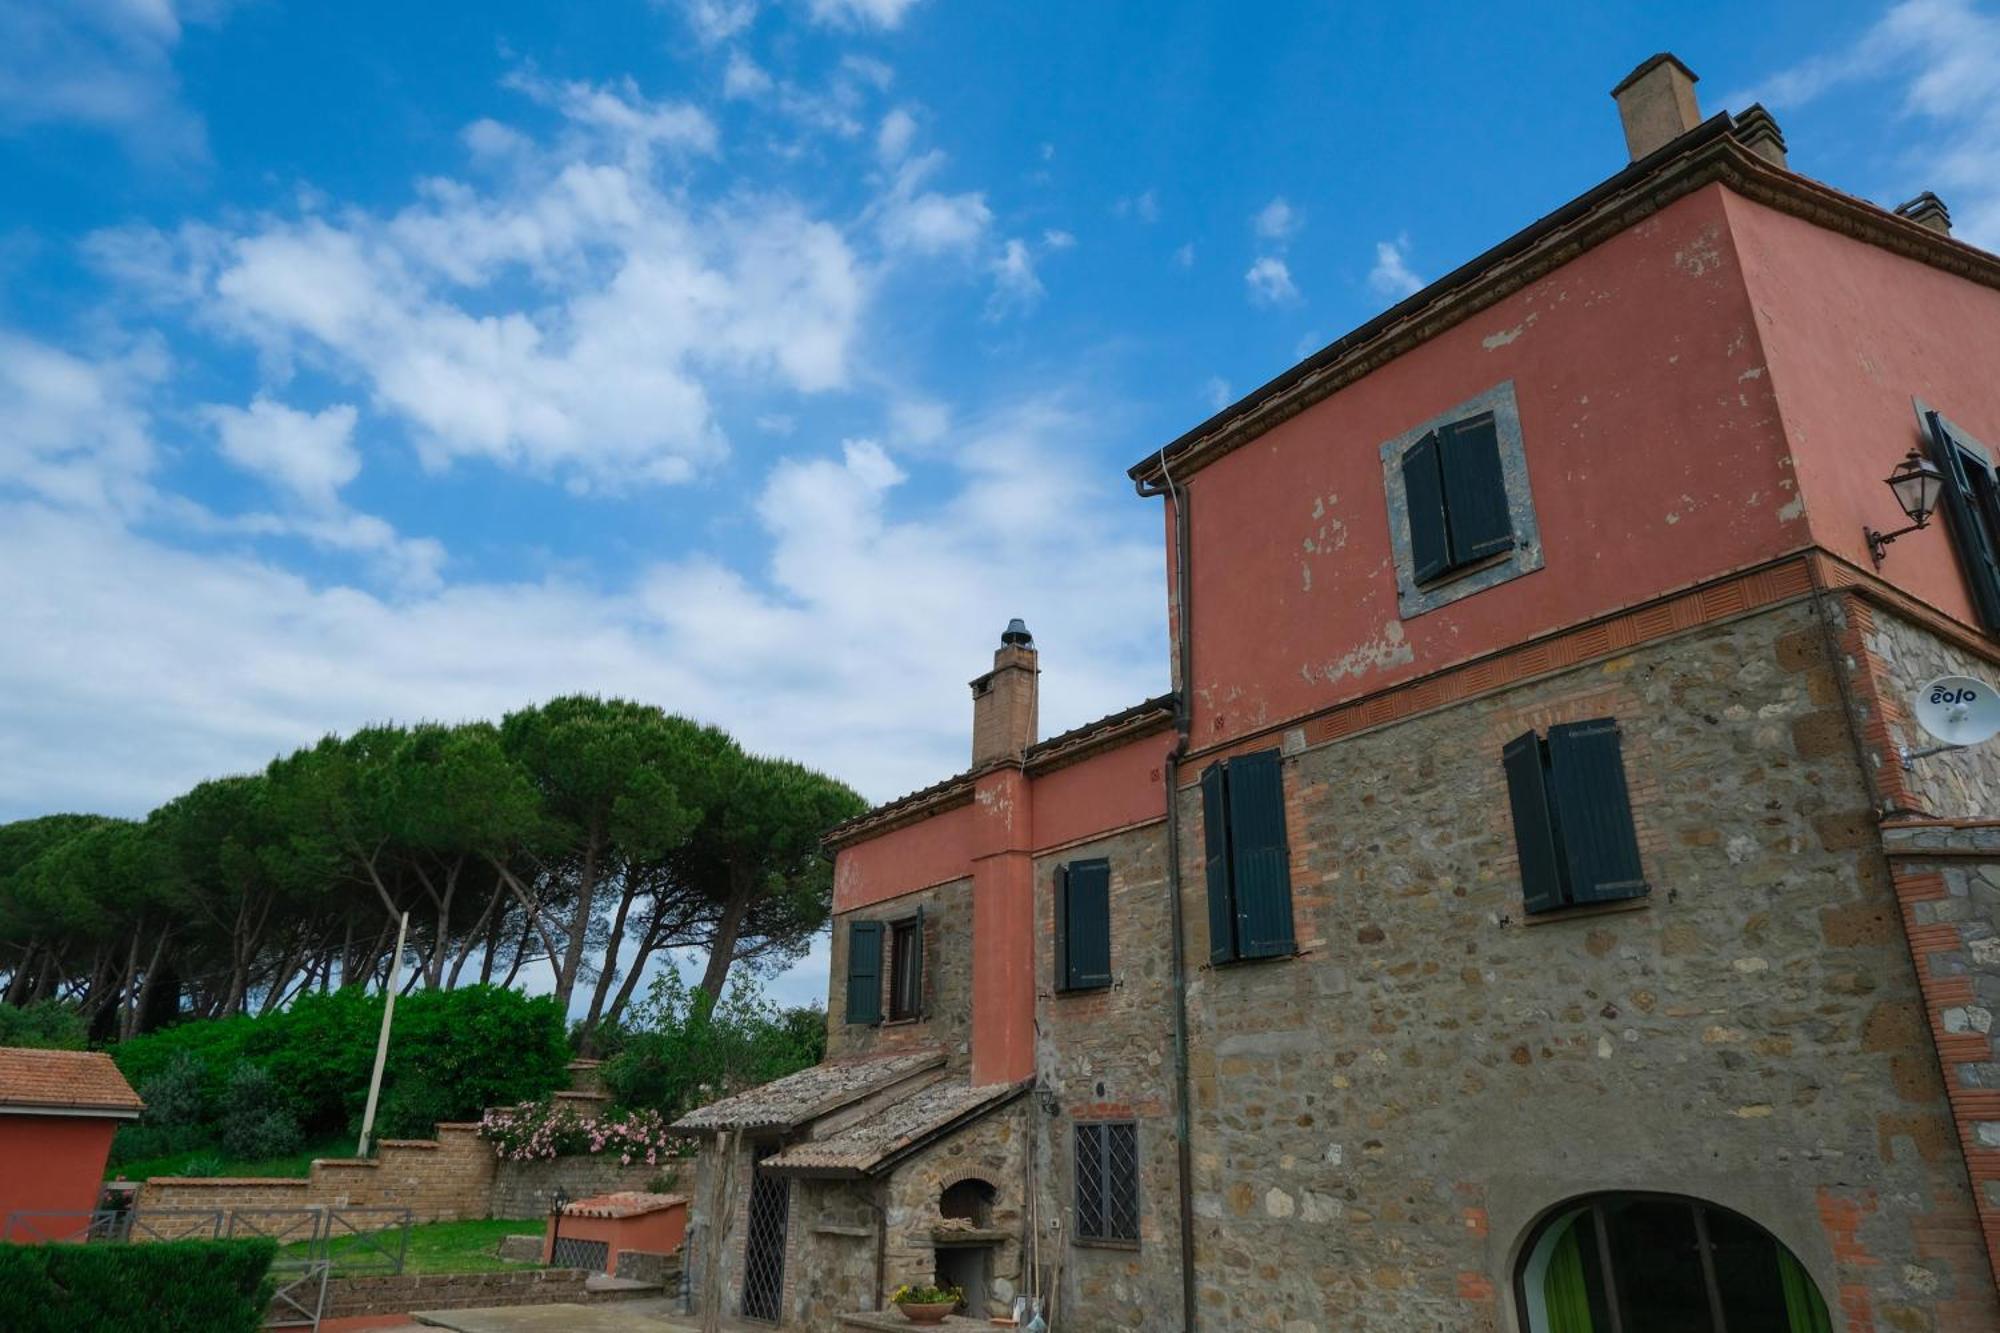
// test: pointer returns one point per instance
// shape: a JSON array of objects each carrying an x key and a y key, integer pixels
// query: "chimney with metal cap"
[
  {"x": 1005, "y": 709},
  {"x": 1656, "y": 103}
]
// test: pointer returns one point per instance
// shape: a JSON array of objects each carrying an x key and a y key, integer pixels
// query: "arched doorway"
[{"x": 1661, "y": 1263}]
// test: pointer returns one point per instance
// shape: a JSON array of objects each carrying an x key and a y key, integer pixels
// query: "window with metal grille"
[
  {"x": 1107, "y": 1181},
  {"x": 1573, "y": 827},
  {"x": 1970, "y": 498},
  {"x": 906, "y": 951},
  {"x": 1248, "y": 867}
]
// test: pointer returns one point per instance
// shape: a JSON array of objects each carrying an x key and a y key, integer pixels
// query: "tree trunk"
[
  {"x": 586, "y": 891},
  {"x": 610, "y": 967},
  {"x": 722, "y": 947}
]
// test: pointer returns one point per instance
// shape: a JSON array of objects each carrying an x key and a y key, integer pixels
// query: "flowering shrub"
[{"x": 538, "y": 1131}]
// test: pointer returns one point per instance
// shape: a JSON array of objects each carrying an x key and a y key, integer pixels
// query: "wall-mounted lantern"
[{"x": 1916, "y": 482}]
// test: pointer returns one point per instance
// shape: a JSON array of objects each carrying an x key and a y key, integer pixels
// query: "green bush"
[
  {"x": 185, "y": 1286},
  {"x": 49, "y": 1025},
  {"x": 682, "y": 1050},
  {"x": 256, "y": 1121},
  {"x": 452, "y": 1054}
]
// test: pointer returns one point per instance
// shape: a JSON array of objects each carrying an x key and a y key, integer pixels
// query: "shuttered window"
[
  {"x": 1573, "y": 830},
  {"x": 1107, "y": 1181},
  {"x": 1083, "y": 925},
  {"x": 1455, "y": 495},
  {"x": 1248, "y": 860},
  {"x": 1971, "y": 501},
  {"x": 864, "y": 972}
]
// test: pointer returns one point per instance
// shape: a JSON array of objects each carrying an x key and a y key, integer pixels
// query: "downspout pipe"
[{"x": 1178, "y": 497}]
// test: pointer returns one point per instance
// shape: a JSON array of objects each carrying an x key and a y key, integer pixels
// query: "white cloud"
[
  {"x": 715, "y": 21},
  {"x": 927, "y": 222},
  {"x": 310, "y": 455},
  {"x": 1145, "y": 207},
  {"x": 210, "y": 662},
  {"x": 892, "y": 140},
  {"x": 745, "y": 78},
  {"x": 76, "y": 432},
  {"x": 1946, "y": 56},
  {"x": 1016, "y": 287},
  {"x": 861, "y": 13},
  {"x": 106, "y": 64},
  {"x": 565, "y": 321},
  {"x": 1055, "y": 238},
  {"x": 1184, "y": 257},
  {"x": 1391, "y": 275},
  {"x": 1216, "y": 393},
  {"x": 1278, "y": 221},
  {"x": 1270, "y": 282}
]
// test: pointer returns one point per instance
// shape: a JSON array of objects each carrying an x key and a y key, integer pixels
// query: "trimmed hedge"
[{"x": 181, "y": 1286}]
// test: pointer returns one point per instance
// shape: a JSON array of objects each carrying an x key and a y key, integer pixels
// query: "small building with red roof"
[{"x": 58, "y": 1111}]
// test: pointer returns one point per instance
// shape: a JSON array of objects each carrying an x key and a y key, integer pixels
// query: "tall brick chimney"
[
  {"x": 1657, "y": 105},
  {"x": 1005, "y": 712}
]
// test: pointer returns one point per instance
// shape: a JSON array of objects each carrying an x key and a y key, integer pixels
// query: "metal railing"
[{"x": 314, "y": 1243}]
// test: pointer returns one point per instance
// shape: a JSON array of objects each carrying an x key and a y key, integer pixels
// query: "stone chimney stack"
[
  {"x": 1005, "y": 709},
  {"x": 1758, "y": 131},
  {"x": 1657, "y": 105},
  {"x": 1929, "y": 210}
]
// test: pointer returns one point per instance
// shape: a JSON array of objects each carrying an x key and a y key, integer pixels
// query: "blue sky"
[{"x": 758, "y": 358}]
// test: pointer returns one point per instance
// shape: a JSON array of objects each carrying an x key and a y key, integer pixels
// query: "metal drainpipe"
[{"x": 1183, "y": 722}]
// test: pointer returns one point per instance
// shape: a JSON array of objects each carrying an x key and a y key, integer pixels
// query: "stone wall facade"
[
  {"x": 1379, "y": 1120},
  {"x": 1108, "y": 1055},
  {"x": 947, "y": 1016}
]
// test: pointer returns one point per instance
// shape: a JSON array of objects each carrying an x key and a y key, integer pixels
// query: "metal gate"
[{"x": 764, "y": 1251}]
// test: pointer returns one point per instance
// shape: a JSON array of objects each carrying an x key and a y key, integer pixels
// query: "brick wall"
[{"x": 448, "y": 1178}]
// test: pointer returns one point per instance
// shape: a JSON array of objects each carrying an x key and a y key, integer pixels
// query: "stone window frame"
[{"x": 1414, "y": 599}]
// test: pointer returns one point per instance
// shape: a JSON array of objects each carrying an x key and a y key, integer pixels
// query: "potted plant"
[{"x": 923, "y": 1304}]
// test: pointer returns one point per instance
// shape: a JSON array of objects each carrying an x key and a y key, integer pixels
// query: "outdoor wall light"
[{"x": 1916, "y": 482}]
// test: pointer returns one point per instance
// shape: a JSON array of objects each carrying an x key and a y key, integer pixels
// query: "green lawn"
[
  {"x": 214, "y": 1162},
  {"x": 465, "y": 1247},
  {"x": 435, "y": 1247}
]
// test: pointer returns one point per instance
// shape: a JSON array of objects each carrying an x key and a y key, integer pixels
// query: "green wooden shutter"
[
  {"x": 1972, "y": 526},
  {"x": 1593, "y": 812},
  {"x": 1475, "y": 490},
  {"x": 1215, "y": 849},
  {"x": 1534, "y": 823},
  {"x": 1423, "y": 501},
  {"x": 864, "y": 972},
  {"x": 1062, "y": 928},
  {"x": 1087, "y": 928},
  {"x": 1259, "y": 859}
]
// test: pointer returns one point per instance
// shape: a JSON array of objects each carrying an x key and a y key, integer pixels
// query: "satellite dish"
[{"x": 1959, "y": 710}]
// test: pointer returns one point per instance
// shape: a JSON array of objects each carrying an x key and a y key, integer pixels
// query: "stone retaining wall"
[
  {"x": 398, "y": 1294},
  {"x": 527, "y": 1189}
]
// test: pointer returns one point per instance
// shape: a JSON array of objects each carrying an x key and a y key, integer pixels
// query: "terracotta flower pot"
[{"x": 933, "y": 1313}]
